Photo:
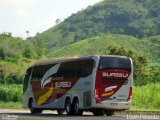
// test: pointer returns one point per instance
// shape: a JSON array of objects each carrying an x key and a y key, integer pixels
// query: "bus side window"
[
  {"x": 90, "y": 66},
  {"x": 39, "y": 71},
  {"x": 86, "y": 67},
  {"x": 76, "y": 69}
]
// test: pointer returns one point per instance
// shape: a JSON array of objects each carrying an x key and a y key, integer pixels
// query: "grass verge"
[
  {"x": 146, "y": 98},
  {"x": 16, "y": 105}
]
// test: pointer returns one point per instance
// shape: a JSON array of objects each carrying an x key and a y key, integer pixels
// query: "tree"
[
  {"x": 27, "y": 32},
  {"x": 58, "y": 21},
  {"x": 39, "y": 47},
  {"x": 29, "y": 51}
]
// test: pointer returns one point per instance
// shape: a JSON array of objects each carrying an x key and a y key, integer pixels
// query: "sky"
[{"x": 19, "y": 16}]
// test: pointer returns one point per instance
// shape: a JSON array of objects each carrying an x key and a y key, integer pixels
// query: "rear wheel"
[
  {"x": 68, "y": 107},
  {"x": 76, "y": 109},
  {"x": 60, "y": 112},
  {"x": 98, "y": 113}
]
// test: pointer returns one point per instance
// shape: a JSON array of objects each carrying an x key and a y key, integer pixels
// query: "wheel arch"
[
  {"x": 75, "y": 98},
  {"x": 67, "y": 97}
]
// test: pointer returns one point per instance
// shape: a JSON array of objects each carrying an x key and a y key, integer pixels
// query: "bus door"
[{"x": 112, "y": 77}]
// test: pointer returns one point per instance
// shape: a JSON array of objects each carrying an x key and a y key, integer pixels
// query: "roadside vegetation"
[
  {"x": 11, "y": 96},
  {"x": 11, "y": 93},
  {"x": 146, "y": 97}
]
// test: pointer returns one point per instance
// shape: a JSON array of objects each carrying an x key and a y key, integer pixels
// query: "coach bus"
[{"x": 99, "y": 84}]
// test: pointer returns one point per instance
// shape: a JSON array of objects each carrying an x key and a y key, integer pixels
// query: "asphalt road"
[{"x": 12, "y": 114}]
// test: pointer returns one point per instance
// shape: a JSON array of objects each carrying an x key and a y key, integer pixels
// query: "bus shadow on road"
[
  {"x": 43, "y": 115},
  {"x": 51, "y": 116}
]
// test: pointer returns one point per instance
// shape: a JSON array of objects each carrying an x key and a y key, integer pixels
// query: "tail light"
[
  {"x": 130, "y": 94},
  {"x": 96, "y": 93},
  {"x": 98, "y": 99}
]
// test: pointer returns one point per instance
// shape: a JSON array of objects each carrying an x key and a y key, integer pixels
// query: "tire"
[
  {"x": 68, "y": 107},
  {"x": 32, "y": 109},
  {"x": 98, "y": 113},
  {"x": 109, "y": 113},
  {"x": 76, "y": 109},
  {"x": 60, "y": 112}
]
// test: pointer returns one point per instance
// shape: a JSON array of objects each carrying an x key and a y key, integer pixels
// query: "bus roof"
[
  {"x": 57, "y": 60},
  {"x": 120, "y": 56}
]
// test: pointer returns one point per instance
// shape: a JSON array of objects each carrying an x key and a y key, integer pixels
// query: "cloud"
[
  {"x": 20, "y": 13},
  {"x": 17, "y": 3}
]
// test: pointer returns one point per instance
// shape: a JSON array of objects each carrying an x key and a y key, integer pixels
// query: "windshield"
[
  {"x": 26, "y": 79},
  {"x": 115, "y": 63}
]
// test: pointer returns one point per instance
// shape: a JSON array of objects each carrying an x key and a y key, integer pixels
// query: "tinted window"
[
  {"x": 115, "y": 63},
  {"x": 39, "y": 71},
  {"x": 75, "y": 69}
]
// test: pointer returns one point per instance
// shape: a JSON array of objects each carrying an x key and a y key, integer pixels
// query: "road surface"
[{"x": 13, "y": 114}]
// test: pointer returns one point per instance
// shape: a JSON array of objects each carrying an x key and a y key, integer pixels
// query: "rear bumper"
[{"x": 114, "y": 105}]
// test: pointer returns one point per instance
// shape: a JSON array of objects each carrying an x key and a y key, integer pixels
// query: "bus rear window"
[{"x": 115, "y": 63}]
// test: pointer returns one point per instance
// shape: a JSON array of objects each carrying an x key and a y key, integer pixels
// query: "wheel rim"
[
  {"x": 76, "y": 107},
  {"x": 67, "y": 108},
  {"x": 77, "y": 110}
]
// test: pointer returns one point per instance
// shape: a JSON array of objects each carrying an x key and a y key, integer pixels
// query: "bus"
[{"x": 99, "y": 84}]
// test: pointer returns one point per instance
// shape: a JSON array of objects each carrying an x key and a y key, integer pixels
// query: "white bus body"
[{"x": 100, "y": 84}]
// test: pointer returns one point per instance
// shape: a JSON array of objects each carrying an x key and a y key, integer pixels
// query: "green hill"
[
  {"x": 139, "y": 18},
  {"x": 12, "y": 47},
  {"x": 99, "y": 45}
]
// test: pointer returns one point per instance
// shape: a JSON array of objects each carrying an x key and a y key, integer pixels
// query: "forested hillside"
[
  {"x": 15, "y": 56},
  {"x": 139, "y": 18},
  {"x": 15, "y": 48}
]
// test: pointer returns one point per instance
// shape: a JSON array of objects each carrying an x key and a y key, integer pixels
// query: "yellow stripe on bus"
[
  {"x": 45, "y": 96},
  {"x": 107, "y": 94}
]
